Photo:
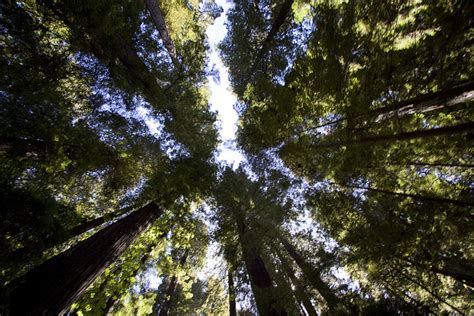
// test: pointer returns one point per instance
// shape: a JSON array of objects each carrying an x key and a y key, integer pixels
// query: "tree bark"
[
  {"x": 286, "y": 293},
  {"x": 312, "y": 274},
  {"x": 427, "y": 164},
  {"x": 96, "y": 222},
  {"x": 165, "y": 307},
  {"x": 19, "y": 147},
  {"x": 25, "y": 254},
  {"x": 424, "y": 103},
  {"x": 433, "y": 132},
  {"x": 422, "y": 286},
  {"x": 415, "y": 196},
  {"x": 264, "y": 292},
  {"x": 159, "y": 20},
  {"x": 299, "y": 289},
  {"x": 458, "y": 269},
  {"x": 276, "y": 25},
  {"x": 232, "y": 306},
  {"x": 51, "y": 287}
]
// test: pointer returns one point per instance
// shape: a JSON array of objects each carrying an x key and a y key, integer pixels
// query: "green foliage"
[{"x": 358, "y": 153}]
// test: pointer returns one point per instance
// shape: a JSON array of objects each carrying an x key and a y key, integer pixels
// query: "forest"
[{"x": 353, "y": 193}]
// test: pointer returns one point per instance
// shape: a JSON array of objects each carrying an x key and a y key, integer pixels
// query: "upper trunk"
[
  {"x": 17, "y": 147},
  {"x": 433, "y": 132},
  {"x": 265, "y": 294},
  {"x": 283, "y": 13},
  {"x": 459, "y": 269},
  {"x": 165, "y": 307},
  {"x": 424, "y": 103},
  {"x": 312, "y": 274},
  {"x": 232, "y": 306},
  {"x": 299, "y": 289},
  {"x": 51, "y": 287},
  {"x": 415, "y": 196},
  {"x": 159, "y": 20},
  {"x": 116, "y": 294}
]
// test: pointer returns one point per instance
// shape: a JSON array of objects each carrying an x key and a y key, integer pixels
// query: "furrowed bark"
[
  {"x": 51, "y": 287},
  {"x": 27, "y": 253}
]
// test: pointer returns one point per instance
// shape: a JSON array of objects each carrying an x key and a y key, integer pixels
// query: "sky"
[
  {"x": 222, "y": 98},
  {"x": 221, "y": 101}
]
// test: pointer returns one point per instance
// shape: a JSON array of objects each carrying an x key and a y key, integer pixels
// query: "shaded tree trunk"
[
  {"x": 159, "y": 20},
  {"x": 18, "y": 147},
  {"x": 459, "y": 269},
  {"x": 312, "y": 274},
  {"x": 280, "y": 19},
  {"x": 427, "y": 164},
  {"x": 265, "y": 294},
  {"x": 427, "y": 133},
  {"x": 424, "y": 103},
  {"x": 24, "y": 254},
  {"x": 165, "y": 307},
  {"x": 230, "y": 282},
  {"x": 422, "y": 286},
  {"x": 299, "y": 289},
  {"x": 96, "y": 222},
  {"x": 285, "y": 291},
  {"x": 414, "y": 196},
  {"x": 51, "y": 287}
]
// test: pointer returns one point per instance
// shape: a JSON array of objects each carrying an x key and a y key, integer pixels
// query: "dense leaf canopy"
[{"x": 356, "y": 124}]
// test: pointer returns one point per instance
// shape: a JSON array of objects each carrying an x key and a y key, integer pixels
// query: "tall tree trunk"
[
  {"x": 459, "y": 269},
  {"x": 265, "y": 294},
  {"x": 299, "y": 289},
  {"x": 312, "y": 274},
  {"x": 51, "y": 287},
  {"x": 414, "y": 196},
  {"x": 285, "y": 291},
  {"x": 168, "y": 297},
  {"x": 20, "y": 148},
  {"x": 96, "y": 222},
  {"x": 159, "y": 20},
  {"x": 428, "y": 164},
  {"x": 427, "y": 133},
  {"x": 424, "y": 103},
  {"x": 27, "y": 253},
  {"x": 165, "y": 307},
  {"x": 232, "y": 306},
  {"x": 280, "y": 19},
  {"x": 422, "y": 286}
]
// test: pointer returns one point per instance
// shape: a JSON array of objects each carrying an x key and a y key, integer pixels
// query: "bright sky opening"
[{"x": 222, "y": 98}]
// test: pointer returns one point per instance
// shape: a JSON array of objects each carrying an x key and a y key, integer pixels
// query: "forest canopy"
[{"x": 355, "y": 126}]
